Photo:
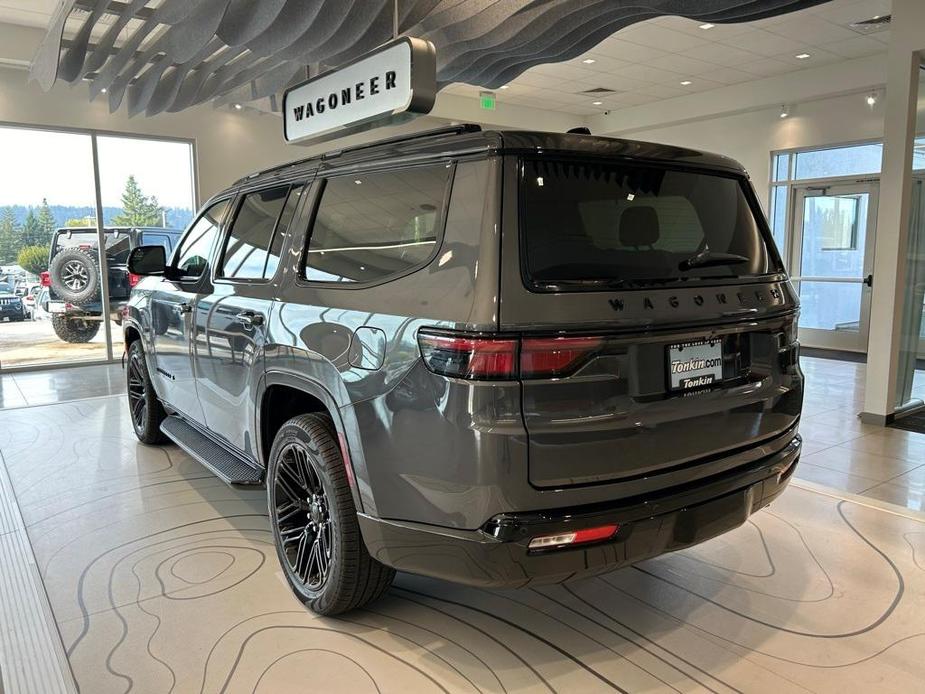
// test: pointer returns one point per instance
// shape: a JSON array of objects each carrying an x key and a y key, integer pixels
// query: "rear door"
[
  {"x": 173, "y": 305},
  {"x": 658, "y": 297},
  {"x": 231, "y": 319}
]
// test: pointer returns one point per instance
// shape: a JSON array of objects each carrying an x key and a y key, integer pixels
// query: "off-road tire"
[
  {"x": 75, "y": 275},
  {"x": 145, "y": 409},
  {"x": 353, "y": 577},
  {"x": 75, "y": 330}
]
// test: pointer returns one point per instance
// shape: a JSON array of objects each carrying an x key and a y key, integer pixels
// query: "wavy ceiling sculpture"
[{"x": 168, "y": 55}]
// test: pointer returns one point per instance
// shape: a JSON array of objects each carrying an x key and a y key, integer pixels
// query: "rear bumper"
[{"x": 497, "y": 554}]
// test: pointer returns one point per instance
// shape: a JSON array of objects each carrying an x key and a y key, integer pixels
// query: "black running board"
[{"x": 227, "y": 466}]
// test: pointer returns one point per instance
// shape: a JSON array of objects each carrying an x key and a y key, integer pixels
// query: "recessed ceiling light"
[
  {"x": 103, "y": 90},
  {"x": 707, "y": 26},
  {"x": 802, "y": 56},
  {"x": 358, "y": 181},
  {"x": 686, "y": 83},
  {"x": 784, "y": 112},
  {"x": 872, "y": 99},
  {"x": 503, "y": 86},
  {"x": 588, "y": 61},
  {"x": 596, "y": 103},
  {"x": 238, "y": 107}
]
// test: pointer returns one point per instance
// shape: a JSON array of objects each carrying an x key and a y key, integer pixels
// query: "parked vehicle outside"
[
  {"x": 497, "y": 358},
  {"x": 74, "y": 277},
  {"x": 12, "y": 307}
]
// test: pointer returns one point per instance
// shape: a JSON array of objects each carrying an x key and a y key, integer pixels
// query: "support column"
[{"x": 907, "y": 39}]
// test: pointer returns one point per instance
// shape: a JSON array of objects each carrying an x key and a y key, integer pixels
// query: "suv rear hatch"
[{"x": 657, "y": 294}]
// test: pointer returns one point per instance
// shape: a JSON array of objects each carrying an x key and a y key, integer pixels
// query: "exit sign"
[{"x": 487, "y": 100}]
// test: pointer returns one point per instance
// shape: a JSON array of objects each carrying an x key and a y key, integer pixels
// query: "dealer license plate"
[{"x": 695, "y": 364}]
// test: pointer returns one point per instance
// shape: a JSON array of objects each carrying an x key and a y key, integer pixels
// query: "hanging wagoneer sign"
[{"x": 398, "y": 78}]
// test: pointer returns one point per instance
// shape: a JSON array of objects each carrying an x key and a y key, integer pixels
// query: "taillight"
[
  {"x": 469, "y": 357},
  {"x": 480, "y": 357},
  {"x": 575, "y": 537},
  {"x": 45, "y": 279},
  {"x": 133, "y": 279},
  {"x": 547, "y": 357}
]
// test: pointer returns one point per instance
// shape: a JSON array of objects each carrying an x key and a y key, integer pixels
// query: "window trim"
[
  {"x": 439, "y": 227},
  {"x": 174, "y": 257},
  {"x": 229, "y": 226},
  {"x": 748, "y": 191}
]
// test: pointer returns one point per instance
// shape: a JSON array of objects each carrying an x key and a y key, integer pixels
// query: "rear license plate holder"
[{"x": 695, "y": 364}]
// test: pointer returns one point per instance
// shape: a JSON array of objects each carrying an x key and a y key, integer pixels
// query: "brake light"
[
  {"x": 481, "y": 357},
  {"x": 555, "y": 356},
  {"x": 469, "y": 357},
  {"x": 133, "y": 279},
  {"x": 45, "y": 279},
  {"x": 575, "y": 537}
]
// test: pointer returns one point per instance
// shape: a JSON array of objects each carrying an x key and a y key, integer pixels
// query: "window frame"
[
  {"x": 217, "y": 275},
  {"x": 748, "y": 192},
  {"x": 320, "y": 185},
  {"x": 173, "y": 273}
]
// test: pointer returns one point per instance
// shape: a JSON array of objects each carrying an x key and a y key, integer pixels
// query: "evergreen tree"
[
  {"x": 138, "y": 210},
  {"x": 9, "y": 238},
  {"x": 30, "y": 234},
  {"x": 46, "y": 222}
]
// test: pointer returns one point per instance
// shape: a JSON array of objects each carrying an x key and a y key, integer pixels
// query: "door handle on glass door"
[
  {"x": 869, "y": 280},
  {"x": 249, "y": 319}
]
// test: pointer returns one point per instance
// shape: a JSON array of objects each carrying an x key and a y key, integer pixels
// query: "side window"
[
  {"x": 192, "y": 256},
  {"x": 251, "y": 235},
  {"x": 372, "y": 226}
]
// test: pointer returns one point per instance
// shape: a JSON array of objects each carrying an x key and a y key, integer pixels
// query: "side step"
[{"x": 230, "y": 468}]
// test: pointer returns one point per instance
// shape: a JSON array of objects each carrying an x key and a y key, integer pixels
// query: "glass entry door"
[{"x": 832, "y": 263}]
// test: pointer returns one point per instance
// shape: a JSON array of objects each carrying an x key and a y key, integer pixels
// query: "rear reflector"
[
  {"x": 576, "y": 537},
  {"x": 477, "y": 357}
]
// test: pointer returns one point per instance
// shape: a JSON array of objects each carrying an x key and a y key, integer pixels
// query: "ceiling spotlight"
[
  {"x": 707, "y": 26},
  {"x": 596, "y": 103},
  {"x": 802, "y": 56},
  {"x": 503, "y": 86},
  {"x": 103, "y": 90},
  {"x": 784, "y": 112},
  {"x": 686, "y": 83},
  {"x": 589, "y": 61},
  {"x": 238, "y": 107},
  {"x": 872, "y": 99}
]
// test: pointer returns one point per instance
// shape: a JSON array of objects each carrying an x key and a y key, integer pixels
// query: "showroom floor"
[{"x": 158, "y": 577}]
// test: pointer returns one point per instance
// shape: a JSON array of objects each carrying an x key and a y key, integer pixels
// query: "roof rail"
[{"x": 434, "y": 132}]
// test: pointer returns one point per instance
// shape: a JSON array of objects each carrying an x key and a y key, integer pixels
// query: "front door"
[
  {"x": 173, "y": 307},
  {"x": 832, "y": 261}
]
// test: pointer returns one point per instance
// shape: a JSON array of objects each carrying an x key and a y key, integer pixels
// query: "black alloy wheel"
[
  {"x": 302, "y": 516},
  {"x": 145, "y": 409}
]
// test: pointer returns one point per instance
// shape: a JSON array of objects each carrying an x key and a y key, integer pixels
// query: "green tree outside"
[
  {"x": 31, "y": 232},
  {"x": 33, "y": 259},
  {"x": 138, "y": 210},
  {"x": 9, "y": 237},
  {"x": 46, "y": 222}
]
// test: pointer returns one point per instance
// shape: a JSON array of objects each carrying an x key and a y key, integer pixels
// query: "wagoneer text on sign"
[{"x": 397, "y": 78}]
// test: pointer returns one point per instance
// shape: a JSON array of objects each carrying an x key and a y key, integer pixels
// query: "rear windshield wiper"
[{"x": 710, "y": 259}]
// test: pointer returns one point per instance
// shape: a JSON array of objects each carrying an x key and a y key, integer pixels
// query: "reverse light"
[
  {"x": 45, "y": 278},
  {"x": 575, "y": 537}
]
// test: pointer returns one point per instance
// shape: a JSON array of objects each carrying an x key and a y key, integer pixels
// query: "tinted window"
[
  {"x": 193, "y": 255},
  {"x": 372, "y": 226},
  {"x": 251, "y": 232},
  {"x": 117, "y": 243},
  {"x": 602, "y": 223}
]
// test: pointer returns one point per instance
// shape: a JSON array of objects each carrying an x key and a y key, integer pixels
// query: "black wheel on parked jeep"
[
  {"x": 75, "y": 275},
  {"x": 145, "y": 409},
  {"x": 74, "y": 329},
  {"x": 314, "y": 520}
]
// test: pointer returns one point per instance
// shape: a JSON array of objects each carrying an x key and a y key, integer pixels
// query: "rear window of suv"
[
  {"x": 593, "y": 225},
  {"x": 117, "y": 243}
]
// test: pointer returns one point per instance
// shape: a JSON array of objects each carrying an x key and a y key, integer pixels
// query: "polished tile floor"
[{"x": 162, "y": 579}]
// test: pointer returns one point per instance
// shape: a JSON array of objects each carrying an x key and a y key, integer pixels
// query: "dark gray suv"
[{"x": 497, "y": 358}]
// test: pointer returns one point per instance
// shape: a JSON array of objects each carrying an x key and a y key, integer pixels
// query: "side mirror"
[{"x": 147, "y": 260}]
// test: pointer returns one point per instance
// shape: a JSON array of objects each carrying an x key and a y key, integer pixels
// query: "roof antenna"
[{"x": 581, "y": 130}]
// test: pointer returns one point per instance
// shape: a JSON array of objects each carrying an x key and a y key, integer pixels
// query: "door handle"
[
  {"x": 869, "y": 281},
  {"x": 249, "y": 319},
  {"x": 184, "y": 308}
]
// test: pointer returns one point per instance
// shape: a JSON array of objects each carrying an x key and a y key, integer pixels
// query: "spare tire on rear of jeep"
[
  {"x": 75, "y": 275},
  {"x": 74, "y": 329}
]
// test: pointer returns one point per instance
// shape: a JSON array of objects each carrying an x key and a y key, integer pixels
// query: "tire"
[
  {"x": 144, "y": 408},
  {"x": 76, "y": 330},
  {"x": 321, "y": 531},
  {"x": 75, "y": 276}
]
